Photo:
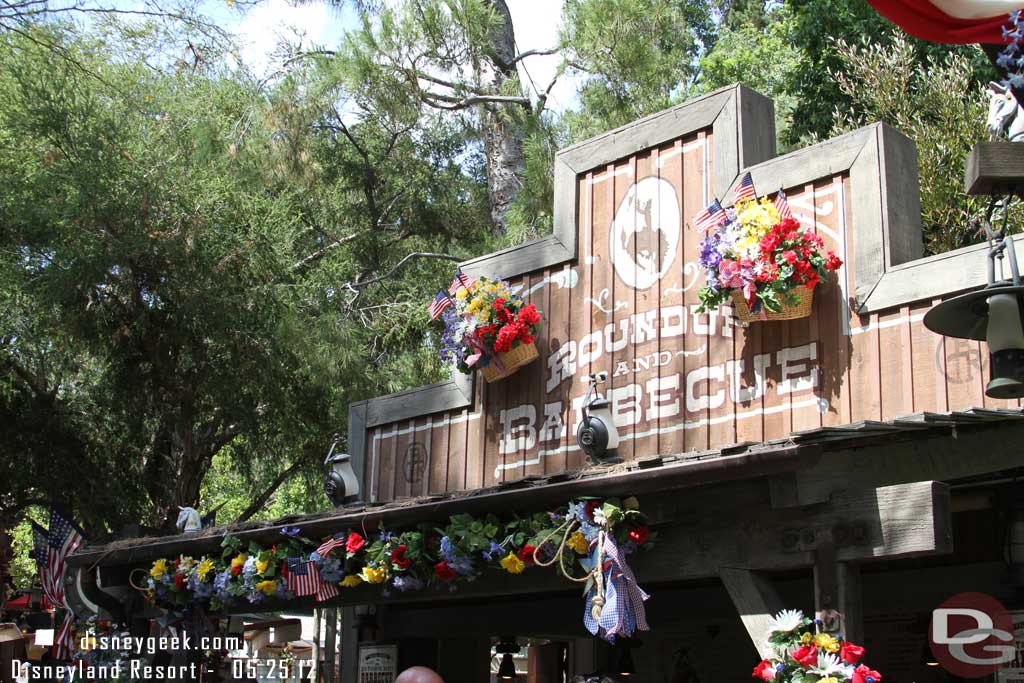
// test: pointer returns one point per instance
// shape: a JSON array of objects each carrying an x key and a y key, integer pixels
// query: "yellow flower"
[
  {"x": 806, "y": 638},
  {"x": 578, "y": 542},
  {"x": 268, "y": 587},
  {"x": 239, "y": 560},
  {"x": 512, "y": 564},
  {"x": 830, "y": 679},
  {"x": 204, "y": 569},
  {"x": 461, "y": 294},
  {"x": 159, "y": 569},
  {"x": 374, "y": 574},
  {"x": 261, "y": 565},
  {"x": 351, "y": 581},
  {"x": 827, "y": 642}
]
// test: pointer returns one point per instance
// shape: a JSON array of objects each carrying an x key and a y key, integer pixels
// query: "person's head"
[{"x": 418, "y": 674}]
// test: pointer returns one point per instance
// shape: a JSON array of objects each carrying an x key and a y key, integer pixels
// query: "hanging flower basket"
[
  {"x": 789, "y": 311},
  {"x": 759, "y": 257},
  {"x": 487, "y": 327},
  {"x": 508, "y": 363}
]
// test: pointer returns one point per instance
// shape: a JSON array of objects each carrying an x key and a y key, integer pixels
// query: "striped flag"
[
  {"x": 745, "y": 190},
  {"x": 710, "y": 217},
  {"x": 325, "y": 591},
  {"x": 437, "y": 306},
  {"x": 782, "y": 204},
  {"x": 303, "y": 577},
  {"x": 62, "y": 539},
  {"x": 335, "y": 541},
  {"x": 460, "y": 281},
  {"x": 40, "y": 552}
]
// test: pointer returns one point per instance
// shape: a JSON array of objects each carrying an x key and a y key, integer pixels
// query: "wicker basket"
[
  {"x": 800, "y": 310},
  {"x": 511, "y": 361}
]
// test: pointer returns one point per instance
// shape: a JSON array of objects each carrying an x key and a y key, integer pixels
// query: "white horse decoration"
[
  {"x": 188, "y": 520},
  {"x": 1005, "y": 115}
]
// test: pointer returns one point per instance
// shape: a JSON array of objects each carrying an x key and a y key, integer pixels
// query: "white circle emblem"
[{"x": 645, "y": 232}]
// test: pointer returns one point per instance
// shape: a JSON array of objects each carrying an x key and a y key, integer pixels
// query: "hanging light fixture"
[
  {"x": 507, "y": 647},
  {"x": 340, "y": 483},
  {"x": 597, "y": 435},
  {"x": 624, "y": 646},
  {"x": 993, "y": 314}
]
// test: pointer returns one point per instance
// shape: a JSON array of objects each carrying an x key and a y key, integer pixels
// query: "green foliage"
[
  {"x": 639, "y": 56},
  {"x": 938, "y": 104}
]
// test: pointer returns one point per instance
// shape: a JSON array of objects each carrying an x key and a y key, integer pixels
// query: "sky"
[{"x": 261, "y": 28}]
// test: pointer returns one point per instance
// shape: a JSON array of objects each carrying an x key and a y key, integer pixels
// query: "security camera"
[{"x": 597, "y": 435}]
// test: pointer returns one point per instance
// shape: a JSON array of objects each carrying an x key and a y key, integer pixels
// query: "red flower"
[
  {"x": 179, "y": 581},
  {"x": 590, "y": 506},
  {"x": 850, "y": 653},
  {"x": 526, "y": 337},
  {"x": 807, "y": 656},
  {"x": 528, "y": 315},
  {"x": 789, "y": 256},
  {"x": 833, "y": 262},
  {"x": 506, "y": 336},
  {"x": 236, "y": 570},
  {"x": 770, "y": 242},
  {"x": 498, "y": 304},
  {"x": 812, "y": 280},
  {"x": 639, "y": 534},
  {"x": 505, "y": 315},
  {"x": 354, "y": 543},
  {"x": 765, "y": 671},
  {"x": 862, "y": 674},
  {"x": 443, "y": 571},
  {"x": 399, "y": 558},
  {"x": 526, "y": 553}
]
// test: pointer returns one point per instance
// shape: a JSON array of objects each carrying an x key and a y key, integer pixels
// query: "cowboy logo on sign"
[{"x": 645, "y": 232}]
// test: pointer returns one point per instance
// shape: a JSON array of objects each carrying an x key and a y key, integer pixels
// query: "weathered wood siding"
[{"x": 684, "y": 381}]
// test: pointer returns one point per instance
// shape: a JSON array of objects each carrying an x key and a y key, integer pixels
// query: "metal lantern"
[
  {"x": 597, "y": 435},
  {"x": 507, "y": 647},
  {"x": 994, "y": 314},
  {"x": 340, "y": 483}
]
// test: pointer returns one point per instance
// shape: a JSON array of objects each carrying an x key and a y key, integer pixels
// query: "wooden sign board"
[{"x": 617, "y": 284}]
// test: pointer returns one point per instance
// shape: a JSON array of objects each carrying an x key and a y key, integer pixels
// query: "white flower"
[
  {"x": 785, "y": 621},
  {"x": 828, "y": 664},
  {"x": 599, "y": 516}
]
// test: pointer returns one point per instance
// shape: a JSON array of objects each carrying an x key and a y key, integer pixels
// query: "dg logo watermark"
[{"x": 971, "y": 635}]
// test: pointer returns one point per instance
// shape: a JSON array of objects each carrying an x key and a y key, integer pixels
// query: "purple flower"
[
  {"x": 290, "y": 531},
  {"x": 407, "y": 583}
]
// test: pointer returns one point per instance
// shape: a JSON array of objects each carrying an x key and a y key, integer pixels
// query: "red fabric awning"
[{"x": 977, "y": 21}]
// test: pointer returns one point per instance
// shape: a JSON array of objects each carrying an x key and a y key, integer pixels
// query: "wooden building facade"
[{"x": 848, "y": 463}]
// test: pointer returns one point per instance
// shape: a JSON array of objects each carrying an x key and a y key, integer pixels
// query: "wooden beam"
[
  {"x": 837, "y": 595},
  {"x": 756, "y": 601},
  {"x": 995, "y": 168},
  {"x": 349, "y": 644}
]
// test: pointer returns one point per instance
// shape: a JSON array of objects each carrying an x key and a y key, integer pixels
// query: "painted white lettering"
[
  {"x": 518, "y": 437},
  {"x": 626, "y": 410},
  {"x": 663, "y": 397},
  {"x": 590, "y": 349},
  {"x": 698, "y": 326},
  {"x": 561, "y": 365},
  {"x": 740, "y": 393},
  {"x": 610, "y": 345},
  {"x": 673, "y": 321},
  {"x": 643, "y": 327},
  {"x": 799, "y": 373},
  {"x": 622, "y": 369},
  {"x": 709, "y": 400},
  {"x": 554, "y": 428}
]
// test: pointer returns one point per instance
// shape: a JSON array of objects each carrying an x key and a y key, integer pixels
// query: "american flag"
[
  {"x": 460, "y": 281},
  {"x": 40, "y": 551},
  {"x": 335, "y": 541},
  {"x": 437, "y": 306},
  {"x": 782, "y": 204},
  {"x": 325, "y": 591},
  {"x": 745, "y": 190},
  {"x": 62, "y": 539},
  {"x": 710, "y": 216},
  {"x": 303, "y": 576}
]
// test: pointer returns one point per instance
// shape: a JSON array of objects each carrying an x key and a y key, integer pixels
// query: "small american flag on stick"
[
  {"x": 710, "y": 217},
  {"x": 303, "y": 576},
  {"x": 437, "y": 306},
  {"x": 460, "y": 281},
  {"x": 325, "y": 591},
  {"x": 335, "y": 541},
  {"x": 782, "y": 204},
  {"x": 745, "y": 190}
]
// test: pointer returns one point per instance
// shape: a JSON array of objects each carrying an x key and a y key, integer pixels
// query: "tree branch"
[
  {"x": 534, "y": 53},
  {"x": 437, "y": 100},
  {"x": 394, "y": 269},
  {"x": 259, "y": 501},
  {"x": 320, "y": 253}
]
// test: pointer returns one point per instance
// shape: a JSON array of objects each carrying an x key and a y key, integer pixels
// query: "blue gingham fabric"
[{"x": 623, "y": 612}]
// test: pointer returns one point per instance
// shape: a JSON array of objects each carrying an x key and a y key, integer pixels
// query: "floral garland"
[
  {"x": 1012, "y": 56},
  {"x": 486, "y": 318},
  {"x": 441, "y": 557},
  {"x": 803, "y": 655}
]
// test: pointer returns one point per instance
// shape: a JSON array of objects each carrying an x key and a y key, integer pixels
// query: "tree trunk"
[{"x": 501, "y": 128}]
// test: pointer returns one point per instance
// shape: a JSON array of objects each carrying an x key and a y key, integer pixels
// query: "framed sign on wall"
[{"x": 378, "y": 663}]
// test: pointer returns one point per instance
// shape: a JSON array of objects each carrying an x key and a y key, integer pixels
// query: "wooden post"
[
  {"x": 349, "y": 645},
  {"x": 837, "y": 594},
  {"x": 316, "y": 645},
  {"x": 756, "y": 601},
  {"x": 544, "y": 663},
  {"x": 330, "y": 644}
]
